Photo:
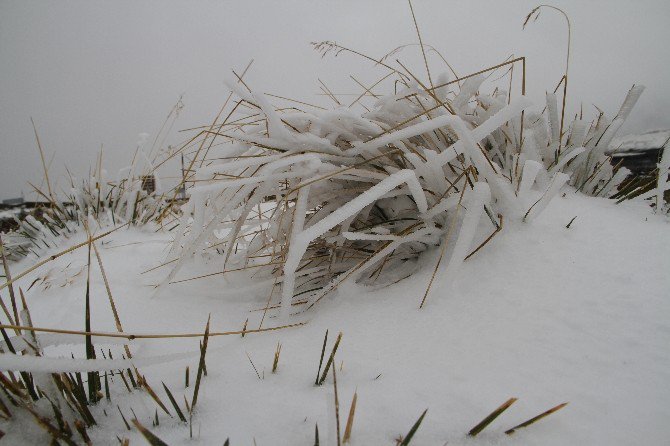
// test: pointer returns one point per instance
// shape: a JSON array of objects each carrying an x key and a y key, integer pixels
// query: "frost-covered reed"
[
  {"x": 103, "y": 199},
  {"x": 312, "y": 199}
]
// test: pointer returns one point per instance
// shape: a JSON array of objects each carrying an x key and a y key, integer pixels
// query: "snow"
[
  {"x": 542, "y": 313},
  {"x": 10, "y": 213},
  {"x": 555, "y": 186},
  {"x": 9, "y": 361}
]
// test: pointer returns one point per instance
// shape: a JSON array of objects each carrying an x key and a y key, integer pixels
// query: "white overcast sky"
[{"x": 95, "y": 73}]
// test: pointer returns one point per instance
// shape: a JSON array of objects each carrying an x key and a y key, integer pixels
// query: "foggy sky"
[{"x": 94, "y": 73}]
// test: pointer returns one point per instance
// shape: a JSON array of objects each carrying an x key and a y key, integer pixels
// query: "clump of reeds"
[
  {"x": 312, "y": 198},
  {"x": 133, "y": 197}
]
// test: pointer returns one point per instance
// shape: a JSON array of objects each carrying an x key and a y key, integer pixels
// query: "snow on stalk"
[
  {"x": 557, "y": 182},
  {"x": 663, "y": 171},
  {"x": 476, "y": 200}
]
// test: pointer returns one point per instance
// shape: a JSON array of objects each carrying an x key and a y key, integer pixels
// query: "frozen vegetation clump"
[
  {"x": 129, "y": 198},
  {"x": 309, "y": 199},
  {"x": 305, "y": 200}
]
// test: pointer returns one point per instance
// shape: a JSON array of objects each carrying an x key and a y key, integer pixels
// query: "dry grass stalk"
[
  {"x": 423, "y": 51},
  {"x": 132, "y": 336},
  {"x": 350, "y": 419},
  {"x": 153, "y": 394},
  {"x": 117, "y": 320},
  {"x": 180, "y": 414},
  {"x": 323, "y": 351},
  {"x": 495, "y": 232},
  {"x": 331, "y": 358},
  {"x": 275, "y": 362},
  {"x": 81, "y": 428},
  {"x": 201, "y": 366},
  {"x": 337, "y": 407},
  {"x": 536, "y": 418},
  {"x": 93, "y": 377},
  {"x": 108, "y": 397},
  {"x": 55, "y": 433},
  {"x": 6, "y": 311},
  {"x": 406, "y": 440},
  {"x": 536, "y": 12},
  {"x": 252, "y": 365},
  {"x": 44, "y": 166},
  {"x": 151, "y": 438},
  {"x": 492, "y": 416}
]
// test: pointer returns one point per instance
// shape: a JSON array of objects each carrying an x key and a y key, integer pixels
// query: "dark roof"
[{"x": 638, "y": 142}]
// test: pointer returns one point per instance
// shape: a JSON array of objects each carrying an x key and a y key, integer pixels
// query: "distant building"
[
  {"x": 149, "y": 184},
  {"x": 13, "y": 201},
  {"x": 639, "y": 153}
]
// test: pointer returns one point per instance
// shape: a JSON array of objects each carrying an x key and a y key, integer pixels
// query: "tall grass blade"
[
  {"x": 148, "y": 435},
  {"x": 350, "y": 419},
  {"x": 413, "y": 430},
  {"x": 323, "y": 351},
  {"x": 330, "y": 359},
  {"x": 201, "y": 366},
  {"x": 535, "y": 419},
  {"x": 174, "y": 403},
  {"x": 492, "y": 416}
]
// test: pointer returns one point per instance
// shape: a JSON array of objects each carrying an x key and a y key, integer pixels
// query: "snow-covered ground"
[{"x": 543, "y": 313}]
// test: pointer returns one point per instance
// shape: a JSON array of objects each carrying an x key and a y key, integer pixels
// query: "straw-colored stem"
[
  {"x": 492, "y": 416},
  {"x": 350, "y": 419},
  {"x": 423, "y": 51},
  {"x": 133, "y": 336},
  {"x": 117, "y": 319},
  {"x": 536, "y": 418},
  {"x": 44, "y": 166}
]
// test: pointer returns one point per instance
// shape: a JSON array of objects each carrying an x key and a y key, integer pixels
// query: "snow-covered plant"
[
  {"x": 126, "y": 199},
  {"x": 311, "y": 200}
]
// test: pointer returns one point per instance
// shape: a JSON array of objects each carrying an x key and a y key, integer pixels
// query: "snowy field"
[
  {"x": 544, "y": 313},
  {"x": 340, "y": 234}
]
